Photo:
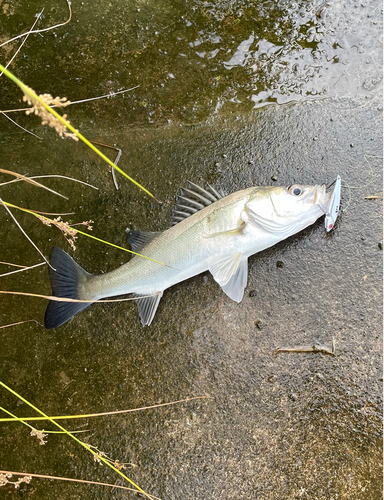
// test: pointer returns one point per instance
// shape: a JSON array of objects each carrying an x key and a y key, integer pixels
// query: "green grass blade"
[
  {"x": 84, "y": 445},
  {"x": 29, "y": 92},
  {"x": 84, "y": 234}
]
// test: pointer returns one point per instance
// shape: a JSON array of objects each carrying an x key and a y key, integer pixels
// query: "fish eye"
[{"x": 295, "y": 190}]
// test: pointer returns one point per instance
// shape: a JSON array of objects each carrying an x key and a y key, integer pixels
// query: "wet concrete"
[{"x": 275, "y": 426}]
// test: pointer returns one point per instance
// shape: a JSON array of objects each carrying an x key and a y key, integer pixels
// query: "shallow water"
[
  {"x": 287, "y": 426},
  {"x": 194, "y": 59}
]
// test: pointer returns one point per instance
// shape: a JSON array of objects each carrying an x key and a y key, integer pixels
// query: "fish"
[{"x": 208, "y": 232}]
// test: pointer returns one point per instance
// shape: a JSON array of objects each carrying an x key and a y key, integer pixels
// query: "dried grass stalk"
[
  {"x": 5, "y": 479},
  {"x": 47, "y": 118}
]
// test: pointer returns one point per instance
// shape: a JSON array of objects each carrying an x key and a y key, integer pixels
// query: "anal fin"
[{"x": 148, "y": 305}]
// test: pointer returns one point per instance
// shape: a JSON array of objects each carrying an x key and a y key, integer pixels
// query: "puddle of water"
[{"x": 194, "y": 59}]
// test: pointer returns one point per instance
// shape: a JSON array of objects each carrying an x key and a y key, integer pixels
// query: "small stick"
[
  {"x": 313, "y": 348},
  {"x": 320, "y": 11},
  {"x": 111, "y": 94},
  {"x": 66, "y": 299}
]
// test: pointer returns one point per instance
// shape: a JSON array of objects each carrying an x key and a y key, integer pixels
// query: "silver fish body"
[{"x": 218, "y": 237}]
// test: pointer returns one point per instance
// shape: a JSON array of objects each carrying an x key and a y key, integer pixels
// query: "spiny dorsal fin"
[
  {"x": 147, "y": 306},
  {"x": 193, "y": 199},
  {"x": 138, "y": 239}
]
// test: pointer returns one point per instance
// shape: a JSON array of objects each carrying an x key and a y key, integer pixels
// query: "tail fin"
[{"x": 64, "y": 281}]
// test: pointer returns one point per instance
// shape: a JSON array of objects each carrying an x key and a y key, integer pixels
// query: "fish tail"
[{"x": 66, "y": 276}]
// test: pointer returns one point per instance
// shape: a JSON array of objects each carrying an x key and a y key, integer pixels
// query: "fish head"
[{"x": 287, "y": 209}]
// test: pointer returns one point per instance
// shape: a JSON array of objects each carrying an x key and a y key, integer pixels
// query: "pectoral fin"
[
  {"x": 231, "y": 274},
  {"x": 230, "y": 232}
]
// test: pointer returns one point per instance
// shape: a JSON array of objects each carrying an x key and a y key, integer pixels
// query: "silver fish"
[{"x": 208, "y": 232}]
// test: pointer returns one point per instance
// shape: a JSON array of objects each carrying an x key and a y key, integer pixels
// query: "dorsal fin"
[
  {"x": 138, "y": 239},
  {"x": 191, "y": 200}
]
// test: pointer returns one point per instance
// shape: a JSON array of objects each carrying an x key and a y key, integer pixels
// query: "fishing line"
[
  {"x": 350, "y": 195},
  {"x": 359, "y": 187}
]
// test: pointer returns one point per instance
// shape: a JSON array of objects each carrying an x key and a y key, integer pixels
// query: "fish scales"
[{"x": 183, "y": 249}]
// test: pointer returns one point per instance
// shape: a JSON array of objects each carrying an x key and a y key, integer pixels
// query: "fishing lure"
[{"x": 334, "y": 206}]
